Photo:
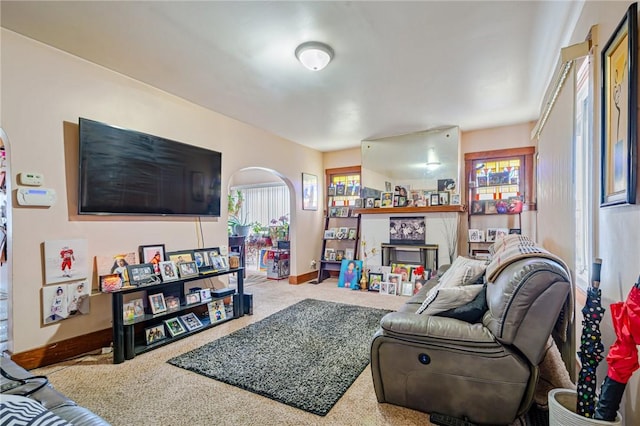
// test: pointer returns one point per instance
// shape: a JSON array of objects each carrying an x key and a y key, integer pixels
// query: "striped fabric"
[{"x": 21, "y": 411}]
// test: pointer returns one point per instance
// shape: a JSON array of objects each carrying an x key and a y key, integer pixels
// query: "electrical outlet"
[{"x": 313, "y": 264}]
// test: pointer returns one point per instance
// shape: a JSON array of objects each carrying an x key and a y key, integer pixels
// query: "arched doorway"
[{"x": 268, "y": 210}]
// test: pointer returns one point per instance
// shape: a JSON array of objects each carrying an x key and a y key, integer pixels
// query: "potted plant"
[
  {"x": 237, "y": 222},
  {"x": 279, "y": 228}
]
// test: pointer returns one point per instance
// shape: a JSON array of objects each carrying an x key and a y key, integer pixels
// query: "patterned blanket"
[{"x": 514, "y": 247}]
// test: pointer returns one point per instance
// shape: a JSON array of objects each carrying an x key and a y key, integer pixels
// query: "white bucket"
[{"x": 562, "y": 410}]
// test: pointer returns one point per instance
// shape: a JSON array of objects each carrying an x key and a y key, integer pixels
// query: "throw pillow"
[
  {"x": 22, "y": 410},
  {"x": 446, "y": 298},
  {"x": 462, "y": 269},
  {"x": 471, "y": 312}
]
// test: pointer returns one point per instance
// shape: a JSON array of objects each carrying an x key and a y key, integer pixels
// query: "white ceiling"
[{"x": 399, "y": 67}]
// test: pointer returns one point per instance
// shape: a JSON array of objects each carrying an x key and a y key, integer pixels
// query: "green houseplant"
[{"x": 237, "y": 222}]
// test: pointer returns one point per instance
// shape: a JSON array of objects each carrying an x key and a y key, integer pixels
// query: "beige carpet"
[{"x": 149, "y": 391}]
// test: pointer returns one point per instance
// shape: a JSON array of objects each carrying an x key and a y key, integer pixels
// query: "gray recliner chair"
[{"x": 484, "y": 372}]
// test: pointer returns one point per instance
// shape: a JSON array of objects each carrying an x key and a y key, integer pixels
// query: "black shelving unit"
[
  {"x": 329, "y": 265},
  {"x": 127, "y": 334}
]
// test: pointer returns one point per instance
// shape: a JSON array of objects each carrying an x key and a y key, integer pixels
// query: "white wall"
[
  {"x": 617, "y": 230},
  {"x": 44, "y": 92}
]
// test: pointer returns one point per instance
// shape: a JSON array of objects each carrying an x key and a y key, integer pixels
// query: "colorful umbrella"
[
  {"x": 591, "y": 346},
  {"x": 623, "y": 354}
]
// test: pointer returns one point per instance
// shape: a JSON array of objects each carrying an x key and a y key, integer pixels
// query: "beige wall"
[
  {"x": 44, "y": 90},
  {"x": 616, "y": 231}
]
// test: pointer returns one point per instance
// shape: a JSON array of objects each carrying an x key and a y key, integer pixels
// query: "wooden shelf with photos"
[{"x": 143, "y": 322}]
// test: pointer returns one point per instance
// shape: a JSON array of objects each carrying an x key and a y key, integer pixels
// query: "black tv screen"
[{"x": 124, "y": 172}]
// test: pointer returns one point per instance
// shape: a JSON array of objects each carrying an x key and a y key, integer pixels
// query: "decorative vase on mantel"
[{"x": 562, "y": 411}]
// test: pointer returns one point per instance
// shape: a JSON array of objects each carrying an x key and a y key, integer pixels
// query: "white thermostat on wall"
[
  {"x": 36, "y": 197},
  {"x": 31, "y": 179}
]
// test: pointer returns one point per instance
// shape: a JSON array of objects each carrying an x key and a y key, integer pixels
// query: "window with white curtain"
[
  {"x": 583, "y": 171},
  {"x": 264, "y": 203}
]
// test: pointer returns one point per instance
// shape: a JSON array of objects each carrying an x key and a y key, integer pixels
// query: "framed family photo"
[
  {"x": 153, "y": 254},
  {"x": 619, "y": 113},
  {"x": 309, "y": 192}
]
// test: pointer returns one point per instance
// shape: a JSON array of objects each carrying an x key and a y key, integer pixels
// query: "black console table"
[
  {"x": 424, "y": 254},
  {"x": 124, "y": 331}
]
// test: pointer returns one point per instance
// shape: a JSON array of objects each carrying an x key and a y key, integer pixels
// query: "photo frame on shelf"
[
  {"x": 154, "y": 334},
  {"x": 309, "y": 191},
  {"x": 515, "y": 231},
  {"x": 133, "y": 309},
  {"x": 188, "y": 269},
  {"x": 434, "y": 199},
  {"x": 386, "y": 199},
  {"x": 168, "y": 271},
  {"x": 205, "y": 294},
  {"x": 153, "y": 254},
  {"x": 157, "y": 303},
  {"x": 172, "y": 302},
  {"x": 191, "y": 321},
  {"x": 178, "y": 257},
  {"x": 201, "y": 257},
  {"x": 501, "y": 233},
  {"x": 175, "y": 327},
  {"x": 192, "y": 298},
  {"x": 407, "y": 230},
  {"x": 374, "y": 280},
  {"x": 217, "y": 311},
  {"x": 110, "y": 283},
  {"x": 619, "y": 140},
  {"x": 327, "y": 253},
  {"x": 491, "y": 234},
  {"x": 329, "y": 234},
  {"x": 477, "y": 207},
  {"x": 406, "y": 289},
  {"x": 476, "y": 236},
  {"x": 349, "y": 253},
  {"x": 443, "y": 198},
  {"x": 142, "y": 274}
]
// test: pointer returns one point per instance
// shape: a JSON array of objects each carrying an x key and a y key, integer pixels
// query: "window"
[
  {"x": 265, "y": 203},
  {"x": 343, "y": 186},
  {"x": 500, "y": 175},
  {"x": 583, "y": 161}
]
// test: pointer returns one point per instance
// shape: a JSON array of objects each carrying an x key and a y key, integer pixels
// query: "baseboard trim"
[
  {"x": 64, "y": 349},
  {"x": 301, "y": 279}
]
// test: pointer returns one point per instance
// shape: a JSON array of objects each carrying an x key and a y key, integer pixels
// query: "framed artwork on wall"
[
  {"x": 309, "y": 192},
  {"x": 619, "y": 113}
]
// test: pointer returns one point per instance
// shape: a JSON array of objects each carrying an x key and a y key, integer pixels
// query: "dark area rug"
[{"x": 305, "y": 356}]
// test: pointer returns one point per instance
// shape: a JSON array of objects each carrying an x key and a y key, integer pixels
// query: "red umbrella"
[{"x": 623, "y": 354}]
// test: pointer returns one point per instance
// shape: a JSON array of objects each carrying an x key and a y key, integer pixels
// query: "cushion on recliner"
[
  {"x": 471, "y": 312},
  {"x": 448, "y": 298}
]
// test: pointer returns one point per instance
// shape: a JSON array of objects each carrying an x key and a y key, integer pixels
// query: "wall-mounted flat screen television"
[{"x": 125, "y": 172}]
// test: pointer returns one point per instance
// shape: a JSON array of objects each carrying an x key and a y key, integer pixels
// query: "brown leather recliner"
[{"x": 484, "y": 372}]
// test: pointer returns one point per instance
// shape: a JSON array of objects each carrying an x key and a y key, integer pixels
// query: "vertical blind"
[{"x": 264, "y": 203}]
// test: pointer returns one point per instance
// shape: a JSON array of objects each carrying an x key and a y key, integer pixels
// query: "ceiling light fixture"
[{"x": 314, "y": 55}]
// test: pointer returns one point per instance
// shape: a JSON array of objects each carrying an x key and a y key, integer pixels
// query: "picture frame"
[
  {"x": 443, "y": 198},
  {"x": 201, "y": 257},
  {"x": 327, "y": 253},
  {"x": 192, "y": 298},
  {"x": 349, "y": 253},
  {"x": 309, "y": 191},
  {"x": 142, "y": 274},
  {"x": 110, "y": 283},
  {"x": 491, "y": 234},
  {"x": 178, "y": 257},
  {"x": 157, "y": 303},
  {"x": 154, "y": 334},
  {"x": 218, "y": 260},
  {"x": 172, "y": 302},
  {"x": 205, "y": 294},
  {"x": 434, "y": 199},
  {"x": 501, "y": 233},
  {"x": 350, "y": 273},
  {"x": 476, "y": 236},
  {"x": 406, "y": 289},
  {"x": 619, "y": 139},
  {"x": 175, "y": 327},
  {"x": 168, "y": 271},
  {"x": 329, "y": 234},
  {"x": 386, "y": 199},
  {"x": 153, "y": 254},
  {"x": 217, "y": 311},
  {"x": 188, "y": 269},
  {"x": 132, "y": 309},
  {"x": 409, "y": 230},
  {"x": 369, "y": 202},
  {"x": 373, "y": 281},
  {"x": 191, "y": 321},
  {"x": 477, "y": 207}
]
